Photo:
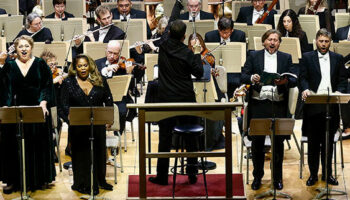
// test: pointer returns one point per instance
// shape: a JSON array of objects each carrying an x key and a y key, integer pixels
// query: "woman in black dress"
[
  {"x": 289, "y": 26},
  {"x": 29, "y": 83},
  {"x": 85, "y": 87}
]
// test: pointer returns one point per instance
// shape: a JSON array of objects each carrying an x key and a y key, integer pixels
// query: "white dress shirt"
[
  {"x": 325, "y": 67},
  {"x": 121, "y": 17},
  {"x": 198, "y": 17},
  {"x": 256, "y": 15},
  {"x": 270, "y": 62},
  {"x": 102, "y": 34},
  {"x": 227, "y": 40}
]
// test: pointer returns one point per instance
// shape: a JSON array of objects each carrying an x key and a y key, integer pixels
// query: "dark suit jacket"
[
  {"x": 342, "y": 33},
  {"x": 134, "y": 14},
  {"x": 43, "y": 36},
  {"x": 214, "y": 36},
  {"x": 114, "y": 33},
  {"x": 2, "y": 11},
  {"x": 245, "y": 15},
  {"x": 101, "y": 63},
  {"x": 310, "y": 76},
  {"x": 203, "y": 15},
  {"x": 67, "y": 15}
]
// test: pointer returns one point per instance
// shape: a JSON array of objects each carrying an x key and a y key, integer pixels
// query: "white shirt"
[
  {"x": 270, "y": 62},
  {"x": 121, "y": 17},
  {"x": 256, "y": 15},
  {"x": 227, "y": 40},
  {"x": 198, "y": 17},
  {"x": 325, "y": 68},
  {"x": 102, "y": 34}
]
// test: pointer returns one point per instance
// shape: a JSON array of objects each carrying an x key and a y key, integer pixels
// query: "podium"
[
  {"x": 91, "y": 116},
  {"x": 22, "y": 115},
  {"x": 272, "y": 127},
  {"x": 328, "y": 99}
]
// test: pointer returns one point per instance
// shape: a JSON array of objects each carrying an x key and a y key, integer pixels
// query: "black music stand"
[
  {"x": 22, "y": 115},
  {"x": 91, "y": 116},
  {"x": 272, "y": 127},
  {"x": 327, "y": 99}
]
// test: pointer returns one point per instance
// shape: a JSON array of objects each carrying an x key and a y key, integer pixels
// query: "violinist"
[
  {"x": 35, "y": 27},
  {"x": 206, "y": 56},
  {"x": 250, "y": 14},
  {"x": 324, "y": 15},
  {"x": 60, "y": 13}
]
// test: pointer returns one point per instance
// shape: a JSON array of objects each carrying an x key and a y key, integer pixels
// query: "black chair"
[{"x": 193, "y": 131}]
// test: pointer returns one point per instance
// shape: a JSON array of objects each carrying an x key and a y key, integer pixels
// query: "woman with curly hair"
[
  {"x": 85, "y": 87},
  {"x": 289, "y": 26}
]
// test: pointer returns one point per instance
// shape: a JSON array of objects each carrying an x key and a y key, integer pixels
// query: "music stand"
[
  {"x": 327, "y": 99},
  {"x": 272, "y": 126},
  {"x": 91, "y": 116},
  {"x": 22, "y": 115}
]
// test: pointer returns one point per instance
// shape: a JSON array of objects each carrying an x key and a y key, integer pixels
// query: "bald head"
[{"x": 113, "y": 51}]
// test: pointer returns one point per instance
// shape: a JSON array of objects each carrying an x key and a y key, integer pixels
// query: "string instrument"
[
  {"x": 122, "y": 63},
  {"x": 261, "y": 19},
  {"x": 208, "y": 58},
  {"x": 241, "y": 91},
  {"x": 312, "y": 10},
  {"x": 59, "y": 72}
]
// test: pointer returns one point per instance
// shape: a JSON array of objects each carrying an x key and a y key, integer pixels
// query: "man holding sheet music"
[
  {"x": 194, "y": 12},
  {"x": 322, "y": 72},
  {"x": 268, "y": 100}
]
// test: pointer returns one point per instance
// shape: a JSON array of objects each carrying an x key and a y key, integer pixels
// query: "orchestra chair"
[
  {"x": 114, "y": 141},
  {"x": 290, "y": 45},
  {"x": 54, "y": 120},
  {"x": 245, "y": 142},
  {"x": 150, "y": 61},
  {"x": 341, "y": 20},
  {"x": 343, "y": 47},
  {"x": 256, "y": 30},
  {"x": 64, "y": 30},
  {"x": 221, "y": 79},
  {"x": 242, "y": 27},
  {"x": 75, "y": 7},
  {"x": 11, "y": 7},
  {"x": 310, "y": 24},
  {"x": 137, "y": 29},
  {"x": 276, "y": 18},
  {"x": 119, "y": 86},
  {"x": 236, "y": 6},
  {"x": 201, "y": 26},
  {"x": 97, "y": 50},
  {"x": 168, "y": 7},
  {"x": 10, "y": 26},
  {"x": 60, "y": 49},
  {"x": 3, "y": 44}
]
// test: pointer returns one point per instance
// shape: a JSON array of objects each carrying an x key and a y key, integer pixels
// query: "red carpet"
[{"x": 216, "y": 186}]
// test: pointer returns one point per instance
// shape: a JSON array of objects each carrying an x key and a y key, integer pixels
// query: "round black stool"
[{"x": 188, "y": 130}]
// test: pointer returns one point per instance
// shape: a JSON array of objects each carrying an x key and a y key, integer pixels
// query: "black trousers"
[
  {"x": 316, "y": 133},
  {"x": 165, "y": 141}
]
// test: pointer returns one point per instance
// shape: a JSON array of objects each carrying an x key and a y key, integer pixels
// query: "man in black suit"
[
  {"x": 104, "y": 18},
  {"x": 250, "y": 14},
  {"x": 194, "y": 7},
  {"x": 2, "y": 11},
  {"x": 263, "y": 104},
  {"x": 176, "y": 65},
  {"x": 343, "y": 33},
  {"x": 125, "y": 11},
  {"x": 60, "y": 13},
  {"x": 322, "y": 71}
]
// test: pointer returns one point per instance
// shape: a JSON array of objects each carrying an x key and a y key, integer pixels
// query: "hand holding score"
[{"x": 281, "y": 81}]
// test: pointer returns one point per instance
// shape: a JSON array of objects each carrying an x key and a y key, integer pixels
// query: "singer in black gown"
[
  {"x": 31, "y": 88},
  {"x": 75, "y": 94}
]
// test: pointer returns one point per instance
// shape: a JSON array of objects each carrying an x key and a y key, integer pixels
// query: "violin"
[
  {"x": 59, "y": 72},
  {"x": 123, "y": 63},
  {"x": 208, "y": 57}
]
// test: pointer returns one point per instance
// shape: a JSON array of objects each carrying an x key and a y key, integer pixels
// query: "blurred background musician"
[
  {"x": 289, "y": 26},
  {"x": 322, "y": 71},
  {"x": 195, "y": 10},
  {"x": 225, "y": 32},
  {"x": 104, "y": 18},
  {"x": 85, "y": 87},
  {"x": 261, "y": 102},
  {"x": 124, "y": 11},
  {"x": 324, "y": 15},
  {"x": 2, "y": 11},
  {"x": 34, "y": 26},
  {"x": 29, "y": 84},
  {"x": 250, "y": 14},
  {"x": 60, "y": 13}
]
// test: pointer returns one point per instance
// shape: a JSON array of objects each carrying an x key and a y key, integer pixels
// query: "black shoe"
[
  {"x": 68, "y": 152},
  {"x": 279, "y": 185},
  {"x": 331, "y": 180},
  {"x": 192, "y": 179},
  {"x": 106, "y": 186},
  {"x": 159, "y": 180},
  {"x": 256, "y": 184},
  {"x": 9, "y": 189},
  {"x": 311, "y": 180}
]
